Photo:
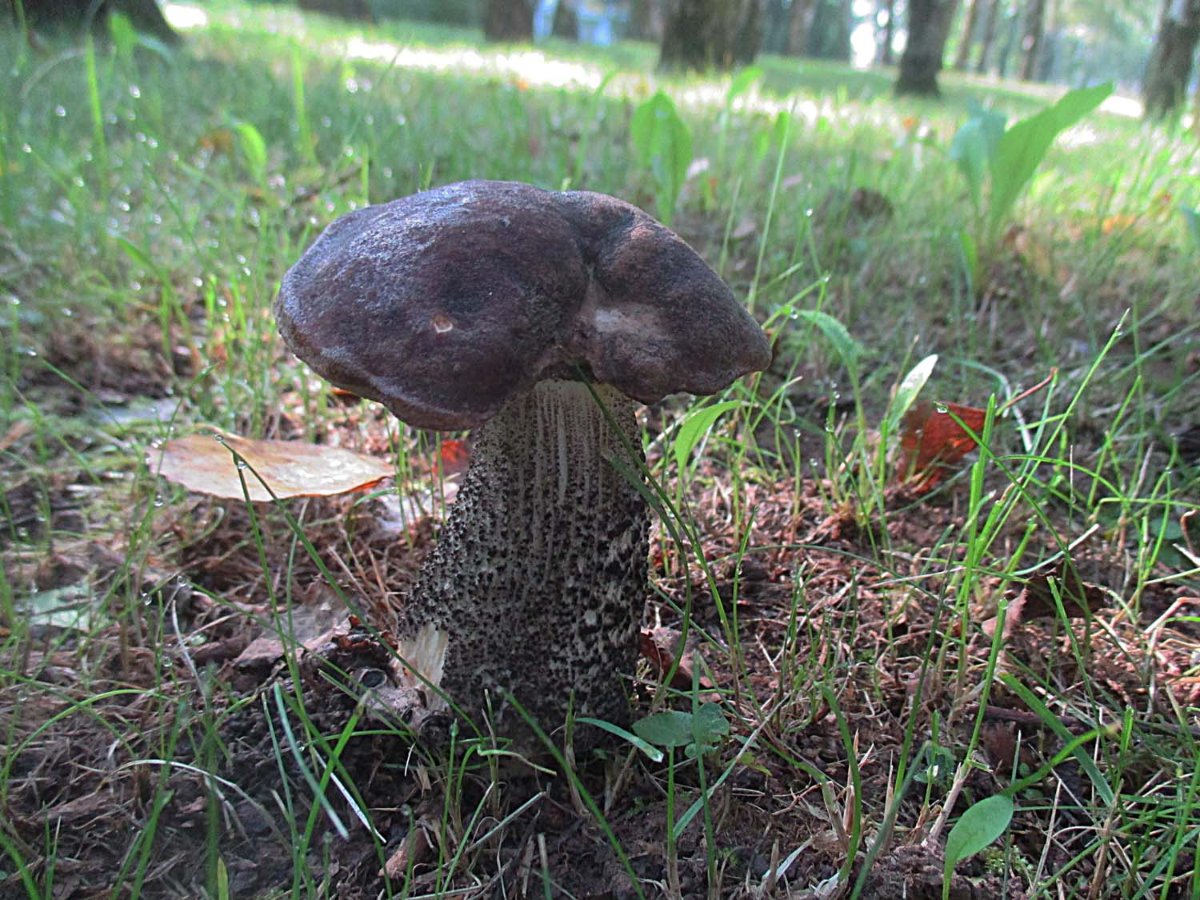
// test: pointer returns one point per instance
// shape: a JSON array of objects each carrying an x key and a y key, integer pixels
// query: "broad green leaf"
[
  {"x": 670, "y": 728},
  {"x": 651, "y": 751},
  {"x": 968, "y": 149},
  {"x": 123, "y": 35},
  {"x": 709, "y": 725},
  {"x": 1024, "y": 146},
  {"x": 835, "y": 332},
  {"x": 695, "y": 426},
  {"x": 663, "y": 143},
  {"x": 254, "y": 150},
  {"x": 974, "y": 146},
  {"x": 908, "y": 390},
  {"x": 975, "y": 829},
  {"x": 743, "y": 81}
]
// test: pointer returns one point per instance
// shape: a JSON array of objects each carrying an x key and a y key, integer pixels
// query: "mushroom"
[{"x": 540, "y": 319}]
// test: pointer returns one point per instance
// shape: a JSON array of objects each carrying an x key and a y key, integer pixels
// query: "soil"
[{"x": 92, "y": 715}]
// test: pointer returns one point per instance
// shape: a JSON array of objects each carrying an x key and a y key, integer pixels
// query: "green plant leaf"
[
  {"x": 1030, "y": 699},
  {"x": 975, "y": 829},
  {"x": 835, "y": 332},
  {"x": 1192, "y": 218},
  {"x": 651, "y": 751},
  {"x": 1024, "y": 146},
  {"x": 663, "y": 143},
  {"x": 742, "y": 82},
  {"x": 669, "y": 728},
  {"x": 974, "y": 146},
  {"x": 123, "y": 36},
  {"x": 709, "y": 725},
  {"x": 694, "y": 427},
  {"x": 254, "y": 150},
  {"x": 906, "y": 393}
]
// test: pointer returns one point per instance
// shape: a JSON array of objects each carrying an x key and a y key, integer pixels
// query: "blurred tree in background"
[{"x": 75, "y": 16}]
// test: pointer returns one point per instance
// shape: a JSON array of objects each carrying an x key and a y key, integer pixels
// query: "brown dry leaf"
[
  {"x": 931, "y": 440},
  {"x": 1036, "y": 600},
  {"x": 1079, "y": 599},
  {"x": 660, "y": 646},
  {"x": 205, "y": 463}
]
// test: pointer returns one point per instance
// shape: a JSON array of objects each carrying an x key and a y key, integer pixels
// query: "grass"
[{"x": 883, "y": 658}]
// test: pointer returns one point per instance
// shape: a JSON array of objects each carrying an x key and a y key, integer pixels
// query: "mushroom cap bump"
[{"x": 445, "y": 304}]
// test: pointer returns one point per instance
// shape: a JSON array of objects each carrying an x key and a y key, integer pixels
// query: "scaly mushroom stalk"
[{"x": 538, "y": 579}]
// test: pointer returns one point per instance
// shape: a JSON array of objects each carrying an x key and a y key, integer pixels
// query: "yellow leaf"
[{"x": 207, "y": 463}]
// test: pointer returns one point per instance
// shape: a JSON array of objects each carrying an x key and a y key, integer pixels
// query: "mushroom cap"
[{"x": 445, "y": 304}]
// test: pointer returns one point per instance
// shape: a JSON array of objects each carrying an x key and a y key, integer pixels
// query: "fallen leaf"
[
  {"x": 16, "y": 432},
  {"x": 932, "y": 441},
  {"x": 1079, "y": 598},
  {"x": 206, "y": 463},
  {"x": 660, "y": 646},
  {"x": 1036, "y": 598},
  {"x": 456, "y": 455}
]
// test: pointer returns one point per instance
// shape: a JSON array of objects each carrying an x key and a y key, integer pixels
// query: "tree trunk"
[
  {"x": 508, "y": 20},
  {"x": 1035, "y": 31},
  {"x": 708, "y": 34},
  {"x": 748, "y": 37},
  {"x": 799, "y": 24},
  {"x": 566, "y": 21},
  {"x": 645, "y": 21},
  {"x": 988, "y": 40},
  {"x": 78, "y": 15},
  {"x": 1171, "y": 60},
  {"x": 968, "y": 34},
  {"x": 352, "y": 10},
  {"x": 829, "y": 33},
  {"x": 1050, "y": 39},
  {"x": 928, "y": 27},
  {"x": 1012, "y": 28},
  {"x": 888, "y": 56}
]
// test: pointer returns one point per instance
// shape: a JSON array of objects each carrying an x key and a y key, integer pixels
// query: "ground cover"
[{"x": 886, "y": 654}]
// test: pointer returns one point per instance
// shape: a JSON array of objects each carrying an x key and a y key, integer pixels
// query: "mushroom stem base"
[{"x": 539, "y": 577}]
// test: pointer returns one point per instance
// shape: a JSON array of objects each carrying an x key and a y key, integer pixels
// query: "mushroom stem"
[{"x": 538, "y": 580}]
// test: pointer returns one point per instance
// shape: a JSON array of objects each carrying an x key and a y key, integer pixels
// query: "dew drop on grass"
[
  {"x": 135, "y": 92},
  {"x": 941, "y": 407},
  {"x": 242, "y": 464},
  {"x": 60, "y": 111},
  {"x": 25, "y": 148},
  {"x": 159, "y": 502}
]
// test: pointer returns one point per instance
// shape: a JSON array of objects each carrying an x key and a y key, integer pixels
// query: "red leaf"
[
  {"x": 456, "y": 455},
  {"x": 932, "y": 440}
]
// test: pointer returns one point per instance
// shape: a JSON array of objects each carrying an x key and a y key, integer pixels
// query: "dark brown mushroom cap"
[{"x": 445, "y": 304}]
